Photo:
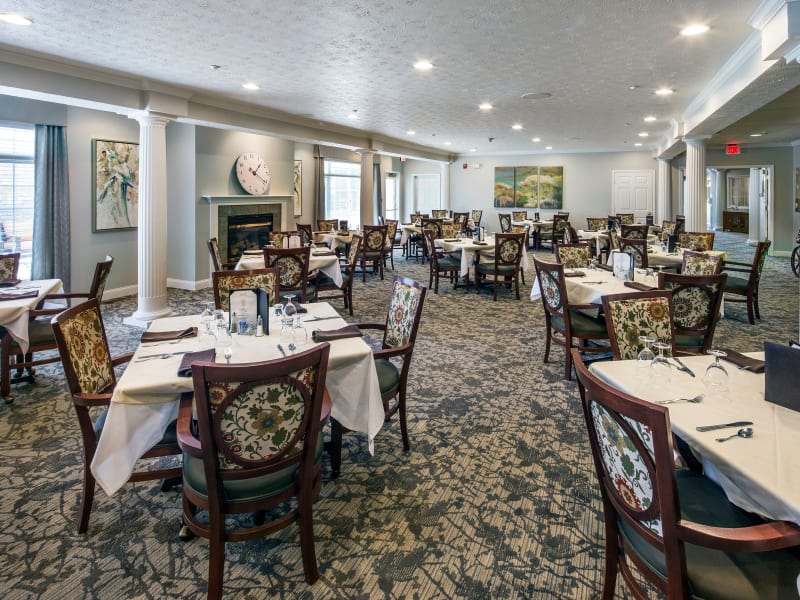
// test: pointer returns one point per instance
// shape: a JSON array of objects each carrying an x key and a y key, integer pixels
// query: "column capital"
[
  {"x": 696, "y": 140},
  {"x": 365, "y": 151},
  {"x": 152, "y": 119}
]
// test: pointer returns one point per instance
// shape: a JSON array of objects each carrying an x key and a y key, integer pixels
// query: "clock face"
[{"x": 252, "y": 173}]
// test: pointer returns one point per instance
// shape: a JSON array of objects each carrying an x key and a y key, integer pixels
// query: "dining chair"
[
  {"x": 667, "y": 229},
  {"x": 216, "y": 260},
  {"x": 373, "y": 249},
  {"x": 570, "y": 235},
  {"x": 505, "y": 222},
  {"x": 699, "y": 263},
  {"x": 283, "y": 239},
  {"x": 293, "y": 275},
  {"x": 476, "y": 216},
  {"x": 257, "y": 449},
  {"x": 637, "y": 248},
  {"x": 556, "y": 232},
  {"x": 596, "y": 223},
  {"x": 519, "y": 215},
  {"x": 630, "y": 315},
  {"x": 225, "y": 282},
  {"x": 451, "y": 231},
  {"x": 437, "y": 213},
  {"x": 328, "y": 290},
  {"x": 636, "y": 232},
  {"x": 391, "y": 234},
  {"x": 441, "y": 264},
  {"x": 306, "y": 233},
  {"x": 392, "y": 359},
  {"x": 745, "y": 288},
  {"x": 696, "y": 301},
  {"x": 327, "y": 225},
  {"x": 460, "y": 219},
  {"x": 613, "y": 240},
  {"x": 501, "y": 268},
  {"x": 699, "y": 241},
  {"x": 565, "y": 322},
  {"x": 428, "y": 223},
  {"x": 573, "y": 256},
  {"x": 674, "y": 528},
  {"x": 40, "y": 333},
  {"x": 680, "y": 224},
  {"x": 625, "y": 218},
  {"x": 82, "y": 344},
  {"x": 9, "y": 266}
]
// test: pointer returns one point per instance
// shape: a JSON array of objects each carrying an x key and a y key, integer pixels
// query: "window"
[
  {"x": 343, "y": 192},
  {"x": 392, "y": 196},
  {"x": 16, "y": 193}
]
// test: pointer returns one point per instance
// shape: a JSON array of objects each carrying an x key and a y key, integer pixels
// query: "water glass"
[
  {"x": 660, "y": 366},
  {"x": 716, "y": 377},
  {"x": 224, "y": 342},
  {"x": 646, "y": 355}
]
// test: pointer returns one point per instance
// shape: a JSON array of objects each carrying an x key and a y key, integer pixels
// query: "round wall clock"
[{"x": 252, "y": 173}]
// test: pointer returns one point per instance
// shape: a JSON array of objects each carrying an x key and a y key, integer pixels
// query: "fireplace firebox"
[{"x": 247, "y": 232}]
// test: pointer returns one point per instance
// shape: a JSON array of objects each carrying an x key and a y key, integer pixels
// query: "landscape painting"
[
  {"x": 551, "y": 188},
  {"x": 529, "y": 187},
  {"x": 115, "y": 185},
  {"x": 504, "y": 187},
  {"x": 527, "y": 184}
]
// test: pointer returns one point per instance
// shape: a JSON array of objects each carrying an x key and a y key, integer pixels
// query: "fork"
[{"x": 694, "y": 400}]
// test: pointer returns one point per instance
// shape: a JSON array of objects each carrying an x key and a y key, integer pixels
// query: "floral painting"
[
  {"x": 115, "y": 179},
  {"x": 529, "y": 187},
  {"x": 551, "y": 187}
]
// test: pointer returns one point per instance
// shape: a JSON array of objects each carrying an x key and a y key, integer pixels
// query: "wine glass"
[
  {"x": 208, "y": 313},
  {"x": 660, "y": 366},
  {"x": 207, "y": 339},
  {"x": 224, "y": 341},
  {"x": 716, "y": 377},
  {"x": 289, "y": 311},
  {"x": 646, "y": 355}
]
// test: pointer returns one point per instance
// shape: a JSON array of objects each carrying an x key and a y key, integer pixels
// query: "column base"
[
  {"x": 144, "y": 318},
  {"x": 752, "y": 242}
]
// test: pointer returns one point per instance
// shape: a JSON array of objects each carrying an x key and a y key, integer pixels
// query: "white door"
[
  {"x": 427, "y": 193},
  {"x": 633, "y": 192}
]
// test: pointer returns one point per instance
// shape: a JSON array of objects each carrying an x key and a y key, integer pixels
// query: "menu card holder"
[
  {"x": 782, "y": 375},
  {"x": 672, "y": 241},
  {"x": 245, "y": 306},
  {"x": 622, "y": 263}
]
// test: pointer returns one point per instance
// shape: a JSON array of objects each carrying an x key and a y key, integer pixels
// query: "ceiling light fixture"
[
  {"x": 756, "y": 134},
  {"x": 473, "y": 149},
  {"x": 638, "y": 144},
  {"x": 643, "y": 134},
  {"x": 536, "y": 139},
  {"x": 423, "y": 65},
  {"x": 649, "y": 119},
  {"x": 448, "y": 143},
  {"x": 695, "y": 29},
  {"x": 633, "y": 87},
  {"x": 411, "y": 132},
  {"x": 353, "y": 115},
  {"x": 516, "y": 127},
  {"x": 251, "y": 86},
  {"x": 664, "y": 91},
  {"x": 15, "y": 19},
  {"x": 548, "y": 147},
  {"x": 486, "y": 106},
  {"x": 536, "y": 96}
]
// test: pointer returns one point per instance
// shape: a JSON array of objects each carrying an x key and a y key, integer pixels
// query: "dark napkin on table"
[
  {"x": 299, "y": 307},
  {"x": 753, "y": 365},
  {"x": 9, "y": 296},
  {"x": 642, "y": 287},
  {"x": 185, "y": 370},
  {"x": 9, "y": 282},
  {"x": 605, "y": 267},
  {"x": 574, "y": 274},
  {"x": 481, "y": 243},
  {"x": 336, "y": 334},
  {"x": 163, "y": 336},
  {"x": 453, "y": 240}
]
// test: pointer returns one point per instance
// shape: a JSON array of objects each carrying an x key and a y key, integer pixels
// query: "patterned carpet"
[{"x": 497, "y": 498}]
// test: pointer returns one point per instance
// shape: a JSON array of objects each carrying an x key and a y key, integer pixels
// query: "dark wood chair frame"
[
  {"x": 273, "y": 257},
  {"x": 753, "y": 272},
  {"x": 216, "y": 259},
  {"x": 681, "y": 283},
  {"x": 638, "y": 248},
  {"x": 507, "y": 280},
  {"x": 634, "y": 231},
  {"x": 348, "y": 267},
  {"x": 371, "y": 250},
  {"x": 222, "y": 303},
  {"x": 438, "y": 268}
]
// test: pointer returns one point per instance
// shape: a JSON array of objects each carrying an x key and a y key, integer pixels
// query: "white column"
[
  {"x": 720, "y": 197},
  {"x": 368, "y": 216},
  {"x": 152, "y": 229},
  {"x": 695, "y": 202},
  {"x": 663, "y": 199},
  {"x": 754, "y": 207}
]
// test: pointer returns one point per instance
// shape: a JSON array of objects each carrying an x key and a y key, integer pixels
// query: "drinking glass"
[
  {"x": 207, "y": 339},
  {"x": 208, "y": 313},
  {"x": 660, "y": 366},
  {"x": 289, "y": 311},
  {"x": 646, "y": 355},
  {"x": 716, "y": 377},
  {"x": 224, "y": 341}
]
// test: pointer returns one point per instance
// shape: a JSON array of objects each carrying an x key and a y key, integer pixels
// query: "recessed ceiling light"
[
  {"x": 664, "y": 91},
  {"x": 423, "y": 65},
  {"x": 634, "y": 87},
  {"x": 757, "y": 134},
  {"x": 548, "y": 147},
  {"x": 411, "y": 132},
  {"x": 214, "y": 67},
  {"x": 486, "y": 106},
  {"x": 353, "y": 115},
  {"x": 15, "y": 19},
  {"x": 643, "y": 134},
  {"x": 448, "y": 143},
  {"x": 516, "y": 126},
  {"x": 637, "y": 144},
  {"x": 473, "y": 149},
  {"x": 695, "y": 29},
  {"x": 536, "y": 95},
  {"x": 649, "y": 119},
  {"x": 251, "y": 86}
]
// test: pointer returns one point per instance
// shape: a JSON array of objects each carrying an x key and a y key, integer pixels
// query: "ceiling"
[{"x": 600, "y": 61}]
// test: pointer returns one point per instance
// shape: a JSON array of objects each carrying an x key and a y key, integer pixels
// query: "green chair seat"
[
  {"x": 449, "y": 262},
  {"x": 736, "y": 284},
  {"x": 490, "y": 268},
  {"x": 581, "y": 324},
  {"x": 689, "y": 342},
  {"x": 244, "y": 490},
  {"x": 717, "y": 574},
  {"x": 388, "y": 376},
  {"x": 40, "y": 331}
]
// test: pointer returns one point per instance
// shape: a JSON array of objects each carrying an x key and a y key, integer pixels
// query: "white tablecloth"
[
  {"x": 14, "y": 313},
  {"x": 333, "y": 240},
  {"x": 596, "y": 283},
  {"x": 760, "y": 474},
  {"x": 327, "y": 263},
  {"x": 146, "y": 398},
  {"x": 468, "y": 248}
]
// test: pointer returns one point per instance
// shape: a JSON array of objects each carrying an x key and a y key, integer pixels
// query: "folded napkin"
[
  {"x": 12, "y": 296},
  {"x": 9, "y": 282},
  {"x": 299, "y": 307},
  {"x": 605, "y": 267},
  {"x": 185, "y": 370},
  {"x": 481, "y": 243},
  {"x": 642, "y": 287},
  {"x": 753, "y": 365},
  {"x": 336, "y": 334},
  {"x": 453, "y": 240},
  {"x": 163, "y": 336},
  {"x": 323, "y": 253},
  {"x": 574, "y": 274}
]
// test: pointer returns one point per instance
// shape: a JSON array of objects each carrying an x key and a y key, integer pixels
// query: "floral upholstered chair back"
[
  {"x": 519, "y": 215},
  {"x": 698, "y": 263},
  {"x": 306, "y": 233},
  {"x": 613, "y": 239},
  {"x": 416, "y": 218},
  {"x": 508, "y": 250},
  {"x": 292, "y": 264},
  {"x": 226, "y": 281},
  {"x": 523, "y": 229},
  {"x": 596, "y": 223},
  {"x": 87, "y": 363},
  {"x": 352, "y": 252},
  {"x": 559, "y": 225},
  {"x": 281, "y": 239},
  {"x": 695, "y": 305},
  {"x": 633, "y": 232},
  {"x": 374, "y": 239},
  {"x": 391, "y": 231},
  {"x": 637, "y": 248},
  {"x": 625, "y": 218},
  {"x": 629, "y": 316},
  {"x": 451, "y": 231},
  {"x": 435, "y": 224},
  {"x": 667, "y": 229},
  {"x": 9, "y": 265},
  {"x": 573, "y": 256},
  {"x": 697, "y": 241},
  {"x": 213, "y": 250},
  {"x": 460, "y": 219},
  {"x": 439, "y": 213},
  {"x": 476, "y": 216},
  {"x": 551, "y": 284},
  {"x": 327, "y": 224},
  {"x": 505, "y": 222},
  {"x": 404, "y": 312}
]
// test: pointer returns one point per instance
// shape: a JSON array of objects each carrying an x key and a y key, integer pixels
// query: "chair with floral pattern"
[
  {"x": 573, "y": 256},
  {"x": 501, "y": 268},
  {"x": 696, "y": 301},
  {"x": 439, "y": 213},
  {"x": 393, "y": 359},
  {"x": 327, "y": 225},
  {"x": 699, "y": 263},
  {"x": 328, "y": 290},
  {"x": 564, "y": 322},
  {"x": 625, "y": 218},
  {"x": 451, "y": 231},
  {"x": 505, "y": 222},
  {"x": 429, "y": 223},
  {"x": 745, "y": 289},
  {"x": 613, "y": 240},
  {"x": 9, "y": 266},
  {"x": 633, "y": 232},
  {"x": 519, "y": 215},
  {"x": 634, "y": 314},
  {"x": 216, "y": 260},
  {"x": 680, "y": 224},
  {"x": 699, "y": 241},
  {"x": 675, "y": 529},
  {"x": 373, "y": 249},
  {"x": 596, "y": 223},
  {"x": 637, "y": 248},
  {"x": 667, "y": 229},
  {"x": 460, "y": 219},
  {"x": 283, "y": 239},
  {"x": 306, "y": 232},
  {"x": 294, "y": 275},
  {"x": 391, "y": 234},
  {"x": 89, "y": 370},
  {"x": 225, "y": 282},
  {"x": 258, "y": 449},
  {"x": 441, "y": 264},
  {"x": 555, "y": 234}
]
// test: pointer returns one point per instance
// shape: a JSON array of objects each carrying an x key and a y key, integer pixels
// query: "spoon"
[
  {"x": 292, "y": 347},
  {"x": 744, "y": 432},
  {"x": 694, "y": 400}
]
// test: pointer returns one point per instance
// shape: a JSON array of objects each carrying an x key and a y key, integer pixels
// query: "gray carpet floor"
[{"x": 497, "y": 498}]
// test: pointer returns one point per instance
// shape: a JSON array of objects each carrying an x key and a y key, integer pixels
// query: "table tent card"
[
  {"x": 246, "y": 306},
  {"x": 782, "y": 375}
]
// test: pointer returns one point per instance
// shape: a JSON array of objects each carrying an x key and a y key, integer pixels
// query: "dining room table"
[
  {"x": 334, "y": 239},
  {"x": 470, "y": 251},
  {"x": 536, "y": 228},
  {"x": 322, "y": 259},
  {"x": 657, "y": 255},
  {"x": 147, "y": 395},
  {"x": 16, "y": 302},
  {"x": 760, "y": 473},
  {"x": 589, "y": 285}
]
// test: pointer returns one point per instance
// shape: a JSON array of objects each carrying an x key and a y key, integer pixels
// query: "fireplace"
[{"x": 247, "y": 232}]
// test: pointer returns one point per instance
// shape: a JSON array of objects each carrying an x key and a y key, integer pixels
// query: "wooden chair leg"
[
  {"x": 216, "y": 562},
  {"x": 547, "y": 342},
  {"x": 403, "y": 426},
  {"x": 87, "y": 498},
  {"x": 335, "y": 447},
  {"x": 750, "y": 315},
  {"x": 307, "y": 549},
  {"x": 568, "y": 363}
]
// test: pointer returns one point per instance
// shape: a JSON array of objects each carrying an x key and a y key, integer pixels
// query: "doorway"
[
  {"x": 633, "y": 192},
  {"x": 741, "y": 200}
]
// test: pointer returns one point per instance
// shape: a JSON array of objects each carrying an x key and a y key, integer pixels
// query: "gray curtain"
[
  {"x": 377, "y": 192},
  {"x": 51, "y": 244},
  {"x": 319, "y": 185}
]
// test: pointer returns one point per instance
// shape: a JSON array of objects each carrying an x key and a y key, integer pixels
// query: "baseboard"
[
  {"x": 192, "y": 286},
  {"x": 782, "y": 253},
  {"x": 121, "y": 292}
]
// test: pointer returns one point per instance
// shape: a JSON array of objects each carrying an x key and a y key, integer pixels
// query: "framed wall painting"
[
  {"x": 115, "y": 185},
  {"x": 551, "y": 187},
  {"x": 529, "y": 187},
  {"x": 298, "y": 188}
]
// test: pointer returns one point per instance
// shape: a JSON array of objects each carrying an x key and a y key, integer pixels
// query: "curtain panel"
[{"x": 319, "y": 185}]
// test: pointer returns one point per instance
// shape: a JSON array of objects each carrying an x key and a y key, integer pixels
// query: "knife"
[
  {"x": 163, "y": 353},
  {"x": 724, "y": 425},
  {"x": 281, "y": 349},
  {"x": 321, "y": 318},
  {"x": 683, "y": 367}
]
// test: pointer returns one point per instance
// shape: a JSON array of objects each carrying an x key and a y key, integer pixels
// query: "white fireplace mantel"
[{"x": 215, "y": 202}]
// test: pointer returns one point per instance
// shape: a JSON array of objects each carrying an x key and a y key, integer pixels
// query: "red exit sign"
[{"x": 733, "y": 149}]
